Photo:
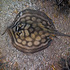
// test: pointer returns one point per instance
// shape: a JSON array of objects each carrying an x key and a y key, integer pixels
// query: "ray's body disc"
[{"x": 31, "y": 31}]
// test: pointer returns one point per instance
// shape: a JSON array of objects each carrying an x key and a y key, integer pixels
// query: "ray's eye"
[
  {"x": 18, "y": 29},
  {"x": 20, "y": 26}
]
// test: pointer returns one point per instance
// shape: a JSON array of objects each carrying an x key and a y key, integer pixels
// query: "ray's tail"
[{"x": 57, "y": 33}]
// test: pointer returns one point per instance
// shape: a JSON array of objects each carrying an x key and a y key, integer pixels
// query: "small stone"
[
  {"x": 24, "y": 42},
  {"x": 29, "y": 43},
  {"x": 19, "y": 40},
  {"x": 28, "y": 39},
  {"x": 38, "y": 20},
  {"x": 36, "y": 43},
  {"x": 38, "y": 38},
  {"x": 33, "y": 18},
  {"x": 29, "y": 21},
  {"x": 26, "y": 33},
  {"x": 27, "y": 18}
]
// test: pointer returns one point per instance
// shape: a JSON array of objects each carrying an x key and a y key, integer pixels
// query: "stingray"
[{"x": 32, "y": 31}]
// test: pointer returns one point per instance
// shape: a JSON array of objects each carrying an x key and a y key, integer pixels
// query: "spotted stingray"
[{"x": 32, "y": 31}]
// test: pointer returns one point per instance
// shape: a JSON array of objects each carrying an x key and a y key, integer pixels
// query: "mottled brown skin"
[{"x": 32, "y": 31}]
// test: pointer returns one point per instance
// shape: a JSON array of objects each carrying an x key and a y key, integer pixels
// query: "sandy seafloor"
[{"x": 45, "y": 59}]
